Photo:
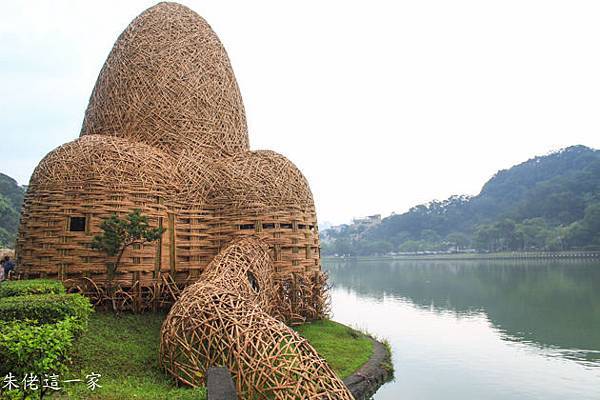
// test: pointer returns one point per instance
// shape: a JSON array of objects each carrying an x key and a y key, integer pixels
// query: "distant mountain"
[
  {"x": 557, "y": 187},
  {"x": 11, "y": 197},
  {"x": 549, "y": 202}
]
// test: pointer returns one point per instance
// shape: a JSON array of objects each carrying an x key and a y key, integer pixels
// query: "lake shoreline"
[
  {"x": 365, "y": 382},
  {"x": 517, "y": 255}
]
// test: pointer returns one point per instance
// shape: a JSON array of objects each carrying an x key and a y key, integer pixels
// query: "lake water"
[{"x": 478, "y": 329}]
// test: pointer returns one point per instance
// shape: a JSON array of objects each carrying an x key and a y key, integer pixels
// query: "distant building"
[
  {"x": 337, "y": 228},
  {"x": 368, "y": 220}
]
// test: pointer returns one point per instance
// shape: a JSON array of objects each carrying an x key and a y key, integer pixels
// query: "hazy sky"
[{"x": 382, "y": 104}]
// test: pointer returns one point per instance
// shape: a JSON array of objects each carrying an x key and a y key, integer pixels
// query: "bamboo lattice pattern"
[
  {"x": 230, "y": 318},
  {"x": 165, "y": 132},
  {"x": 168, "y": 83}
]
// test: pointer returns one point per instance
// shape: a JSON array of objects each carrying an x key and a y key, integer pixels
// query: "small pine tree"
[{"x": 119, "y": 234}]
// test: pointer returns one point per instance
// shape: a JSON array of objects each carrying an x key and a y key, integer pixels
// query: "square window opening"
[{"x": 77, "y": 224}]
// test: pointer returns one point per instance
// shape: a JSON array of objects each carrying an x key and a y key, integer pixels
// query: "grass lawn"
[
  {"x": 344, "y": 348},
  {"x": 124, "y": 350}
]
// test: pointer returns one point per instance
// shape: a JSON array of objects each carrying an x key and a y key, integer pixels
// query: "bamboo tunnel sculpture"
[
  {"x": 165, "y": 132},
  {"x": 228, "y": 318}
]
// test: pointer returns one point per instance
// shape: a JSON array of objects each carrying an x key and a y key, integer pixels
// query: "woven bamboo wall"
[
  {"x": 165, "y": 131},
  {"x": 92, "y": 177}
]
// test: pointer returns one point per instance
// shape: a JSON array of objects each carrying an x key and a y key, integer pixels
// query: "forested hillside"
[
  {"x": 11, "y": 197},
  {"x": 549, "y": 202}
]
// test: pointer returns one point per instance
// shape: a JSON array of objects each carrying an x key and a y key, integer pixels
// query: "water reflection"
[
  {"x": 494, "y": 323},
  {"x": 549, "y": 304}
]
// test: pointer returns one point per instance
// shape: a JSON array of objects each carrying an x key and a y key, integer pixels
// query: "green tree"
[
  {"x": 486, "y": 237},
  {"x": 556, "y": 238},
  {"x": 429, "y": 235},
  {"x": 576, "y": 235},
  {"x": 506, "y": 234},
  {"x": 119, "y": 234},
  {"x": 343, "y": 247},
  {"x": 410, "y": 246},
  {"x": 378, "y": 247},
  {"x": 458, "y": 240},
  {"x": 586, "y": 232},
  {"x": 533, "y": 233},
  {"x": 326, "y": 248},
  {"x": 591, "y": 219}
]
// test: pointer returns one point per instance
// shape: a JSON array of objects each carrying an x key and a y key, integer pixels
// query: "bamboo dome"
[
  {"x": 165, "y": 132},
  {"x": 168, "y": 83},
  {"x": 106, "y": 160},
  {"x": 261, "y": 180},
  {"x": 78, "y": 185}
]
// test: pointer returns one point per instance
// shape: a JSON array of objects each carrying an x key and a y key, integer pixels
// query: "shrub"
[
  {"x": 37, "y": 331},
  {"x": 30, "y": 348},
  {"x": 47, "y": 308},
  {"x": 31, "y": 286}
]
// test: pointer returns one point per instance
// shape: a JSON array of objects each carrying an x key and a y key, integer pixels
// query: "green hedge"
[
  {"x": 27, "y": 347},
  {"x": 46, "y": 308},
  {"x": 30, "y": 286},
  {"x": 37, "y": 331}
]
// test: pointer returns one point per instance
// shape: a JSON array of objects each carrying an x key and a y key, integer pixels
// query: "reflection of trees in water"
[{"x": 545, "y": 302}]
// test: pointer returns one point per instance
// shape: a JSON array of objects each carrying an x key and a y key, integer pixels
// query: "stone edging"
[{"x": 372, "y": 375}]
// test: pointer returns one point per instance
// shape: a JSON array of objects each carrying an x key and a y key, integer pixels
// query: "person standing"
[{"x": 7, "y": 266}]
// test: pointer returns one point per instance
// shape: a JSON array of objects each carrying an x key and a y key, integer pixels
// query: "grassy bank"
[
  {"x": 344, "y": 348},
  {"x": 124, "y": 351}
]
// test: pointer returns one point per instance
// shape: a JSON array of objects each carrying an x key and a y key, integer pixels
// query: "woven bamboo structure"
[
  {"x": 165, "y": 131},
  {"x": 229, "y": 318},
  {"x": 168, "y": 83}
]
